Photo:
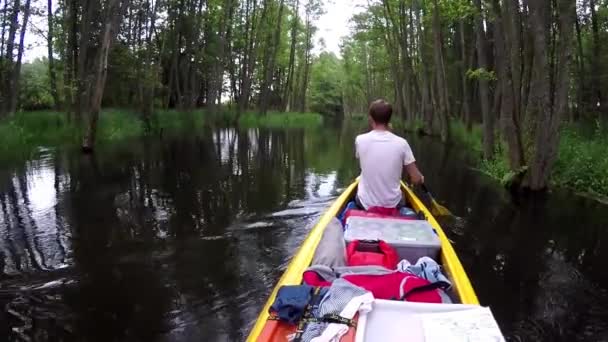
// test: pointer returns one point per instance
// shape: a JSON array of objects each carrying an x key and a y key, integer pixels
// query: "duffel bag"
[{"x": 364, "y": 253}]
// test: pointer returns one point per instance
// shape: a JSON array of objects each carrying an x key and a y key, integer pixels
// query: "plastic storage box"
[{"x": 412, "y": 239}]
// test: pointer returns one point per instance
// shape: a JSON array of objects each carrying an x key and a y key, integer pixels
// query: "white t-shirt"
[{"x": 382, "y": 156}]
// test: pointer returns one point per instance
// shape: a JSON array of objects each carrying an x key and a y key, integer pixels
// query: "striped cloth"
[{"x": 338, "y": 296}]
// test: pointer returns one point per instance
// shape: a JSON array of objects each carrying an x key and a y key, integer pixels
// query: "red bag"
[
  {"x": 399, "y": 286},
  {"x": 364, "y": 253},
  {"x": 391, "y": 286}
]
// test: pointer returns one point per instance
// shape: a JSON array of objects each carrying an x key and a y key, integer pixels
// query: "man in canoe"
[{"x": 383, "y": 156}]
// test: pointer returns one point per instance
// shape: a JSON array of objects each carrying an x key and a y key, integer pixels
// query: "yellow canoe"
[{"x": 301, "y": 261}]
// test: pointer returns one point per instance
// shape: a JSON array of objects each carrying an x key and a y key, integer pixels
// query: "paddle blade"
[{"x": 439, "y": 210}]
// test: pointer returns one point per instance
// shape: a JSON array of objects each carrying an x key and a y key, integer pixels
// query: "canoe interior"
[{"x": 462, "y": 291}]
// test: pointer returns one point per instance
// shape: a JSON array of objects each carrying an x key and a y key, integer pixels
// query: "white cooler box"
[{"x": 412, "y": 239}]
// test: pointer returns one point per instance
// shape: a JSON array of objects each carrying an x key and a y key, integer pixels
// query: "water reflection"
[
  {"x": 178, "y": 239},
  {"x": 182, "y": 239},
  {"x": 538, "y": 261},
  {"x": 33, "y": 236}
]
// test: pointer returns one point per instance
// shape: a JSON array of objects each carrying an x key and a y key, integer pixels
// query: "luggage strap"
[
  {"x": 333, "y": 318},
  {"x": 423, "y": 288},
  {"x": 314, "y": 301},
  {"x": 329, "y": 318},
  {"x": 308, "y": 317}
]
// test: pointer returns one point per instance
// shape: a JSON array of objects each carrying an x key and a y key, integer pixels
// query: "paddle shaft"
[{"x": 437, "y": 209}]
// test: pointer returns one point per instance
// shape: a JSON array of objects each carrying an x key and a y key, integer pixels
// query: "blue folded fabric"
[
  {"x": 428, "y": 269},
  {"x": 291, "y": 302},
  {"x": 349, "y": 205}
]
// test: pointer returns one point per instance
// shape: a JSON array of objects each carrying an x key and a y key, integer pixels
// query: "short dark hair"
[{"x": 381, "y": 111}]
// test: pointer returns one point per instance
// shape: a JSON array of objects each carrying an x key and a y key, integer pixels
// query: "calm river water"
[{"x": 182, "y": 239}]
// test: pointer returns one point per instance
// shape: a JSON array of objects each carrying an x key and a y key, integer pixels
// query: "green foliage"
[
  {"x": 367, "y": 69},
  {"x": 35, "y": 91},
  {"x": 470, "y": 138},
  {"x": 280, "y": 120},
  {"x": 176, "y": 121},
  {"x": 123, "y": 78},
  {"x": 581, "y": 165},
  {"x": 25, "y": 132},
  {"x": 452, "y": 10},
  {"x": 400, "y": 125},
  {"x": 582, "y": 162},
  {"x": 481, "y": 74},
  {"x": 117, "y": 124},
  {"x": 326, "y": 85}
]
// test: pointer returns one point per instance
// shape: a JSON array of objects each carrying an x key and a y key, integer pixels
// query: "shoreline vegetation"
[
  {"x": 27, "y": 131},
  {"x": 581, "y": 165}
]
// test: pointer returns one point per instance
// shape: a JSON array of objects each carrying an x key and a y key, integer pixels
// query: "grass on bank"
[
  {"x": 22, "y": 134},
  {"x": 280, "y": 120},
  {"x": 397, "y": 123},
  {"x": 582, "y": 162},
  {"x": 581, "y": 165}
]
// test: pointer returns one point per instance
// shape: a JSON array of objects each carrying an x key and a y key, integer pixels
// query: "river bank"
[
  {"x": 26, "y": 131},
  {"x": 581, "y": 165}
]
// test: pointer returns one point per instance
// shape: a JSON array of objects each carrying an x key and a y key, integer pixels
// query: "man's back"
[{"x": 382, "y": 156}]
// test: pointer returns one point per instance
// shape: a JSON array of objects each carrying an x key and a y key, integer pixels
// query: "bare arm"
[{"x": 415, "y": 175}]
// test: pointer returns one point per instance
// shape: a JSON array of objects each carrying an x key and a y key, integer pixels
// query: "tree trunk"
[
  {"x": 466, "y": 98},
  {"x": 71, "y": 63},
  {"x": 292, "y": 54},
  {"x": 442, "y": 86},
  {"x": 52, "y": 72},
  {"x": 484, "y": 92},
  {"x": 3, "y": 24},
  {"x": 509, "y": 115},
  {"x": 581, "y": 69},
  {"x": 306, "y": 72},
  {"x": 249, "y": 58},
  {"x": 147, "y": 96},
  {"x": 512, "y": 34},
  {"x": 425, "y": 78},
  {"x": 16, "y": 75},
  {"x": 6, "y": 68},
  {"x": 396, "y": 41},
  {"x": 596, "y": 62},
  {"x": 528, "y": 60},
  {"x": 269, "y": 68},
  {"x": 111, "y": 24},
  {"x": 90, "y": 9},
  {"x": 551, "y": 101}
]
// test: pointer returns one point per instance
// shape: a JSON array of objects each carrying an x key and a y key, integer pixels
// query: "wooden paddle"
[{"x": 436, "y": 208}]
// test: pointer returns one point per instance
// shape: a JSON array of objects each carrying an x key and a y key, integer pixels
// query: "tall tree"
[
  {"x": 441, "y": 85},
  {"x": 7, "y": 65},
  {"x": 51, "y": 58},
  {"x": 509, "y": 69},
  {"x": 15, "y": 77},
  {"x": 111, "y": 16},
  {"x": 270, "y": 57},
  {"x": 287, "y": 93},
  {"x": 596, "y": 61},
  {"x": 551, "y": 81}
]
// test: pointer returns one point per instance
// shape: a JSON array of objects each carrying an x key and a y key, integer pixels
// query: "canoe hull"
[{"x": 265, "y": 330}]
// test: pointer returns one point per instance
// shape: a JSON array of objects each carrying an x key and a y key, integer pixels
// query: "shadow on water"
[
  {"x": 537, "y": 261},
  {"x": 182, "y": 239}
]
